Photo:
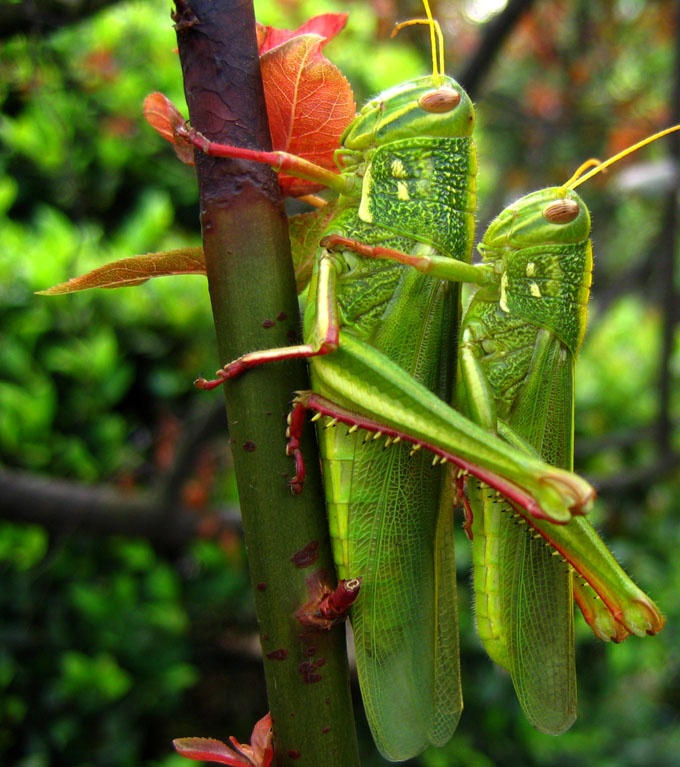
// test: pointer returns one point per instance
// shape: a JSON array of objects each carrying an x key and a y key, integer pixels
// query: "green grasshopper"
[
  {"x": 520, "y": 337},
  {"x": 519, "y": 342},
  {"x": 381, "y": 340}
]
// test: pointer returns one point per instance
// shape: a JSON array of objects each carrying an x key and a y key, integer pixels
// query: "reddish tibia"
[
  {"x": 337, "y": 242},
  {"x": 327, "y": 606},
  {"x": 253, "y": 359},
  {"x": 463, "y": 500},
  {"x": 191, "y": 136},
  {"x": 441, "y": 267},
  {"x": 278, "y": 161}
]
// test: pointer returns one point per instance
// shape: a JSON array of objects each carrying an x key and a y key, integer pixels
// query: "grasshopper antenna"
[
  {"x": 436, "y": 38},
  {"x": 578, "y": 178}
]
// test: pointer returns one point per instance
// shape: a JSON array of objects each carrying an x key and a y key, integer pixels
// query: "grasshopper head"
[
  {"x": 556, "y": 215},
  {"x": 426, "y": 106}
]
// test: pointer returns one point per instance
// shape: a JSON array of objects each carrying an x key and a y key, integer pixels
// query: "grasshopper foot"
[
  {"x": 232, "y": 370},
  {"x": 296, "y": 420}
]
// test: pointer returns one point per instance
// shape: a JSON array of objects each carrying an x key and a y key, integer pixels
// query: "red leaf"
[
  {"x": 309, "y": 104},
  {"x": 261, "y": 741},
  {"x": 164, "y": 116},
  {"x": 209, "y": 750},
  {"x": 328, "y": 25},
  {"x": 259, "y": 754},
  {"x": 134, "y": 271}
]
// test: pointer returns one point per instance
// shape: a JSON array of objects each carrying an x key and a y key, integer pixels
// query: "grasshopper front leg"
[{"x": 323, "y": 339}]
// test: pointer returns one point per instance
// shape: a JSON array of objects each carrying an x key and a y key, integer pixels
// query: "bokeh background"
[{"x": 125, "y": 613}]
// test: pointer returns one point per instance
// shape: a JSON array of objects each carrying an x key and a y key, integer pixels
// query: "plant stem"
[{"x": 251, "y": 284}]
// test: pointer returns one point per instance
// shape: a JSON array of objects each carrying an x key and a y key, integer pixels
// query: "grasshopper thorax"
[
  {"x": 543, "y": 258},
  {"x": 550, "y": 216},
  {"x": 423, "y": 107}
]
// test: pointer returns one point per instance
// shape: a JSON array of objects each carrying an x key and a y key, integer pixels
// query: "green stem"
[{"x": 251, "y": 284}]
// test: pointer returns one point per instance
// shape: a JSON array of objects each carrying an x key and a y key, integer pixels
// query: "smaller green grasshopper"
[{"x": 520, "y": 336}]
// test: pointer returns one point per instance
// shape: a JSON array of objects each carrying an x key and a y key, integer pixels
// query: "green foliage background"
[{"x": 108, "y": 647}]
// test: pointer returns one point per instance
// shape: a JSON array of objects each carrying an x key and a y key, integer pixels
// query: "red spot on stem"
[
  {"x": 307, "y": 555},
  {"x": 280, "y": 654},
  {"x": 308, "y": 672}
]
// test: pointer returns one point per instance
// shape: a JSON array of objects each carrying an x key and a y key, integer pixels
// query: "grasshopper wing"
[
  {"x": 405, "y": 619},
  {"x": 536, "y": 587}
]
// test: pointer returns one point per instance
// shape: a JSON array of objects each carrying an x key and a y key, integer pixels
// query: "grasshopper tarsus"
[
  {"x": 206, "y": 385},
  {"x": 296, "y": 420}
]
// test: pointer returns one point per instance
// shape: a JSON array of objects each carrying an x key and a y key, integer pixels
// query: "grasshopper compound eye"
[
  {"x": 442, "y": 100},
  {"x": 561, "y": 211}
]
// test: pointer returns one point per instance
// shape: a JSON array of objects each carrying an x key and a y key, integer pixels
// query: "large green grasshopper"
[
  {"x": 520, "y": 337},
  {"x": 381, "y": 340}
]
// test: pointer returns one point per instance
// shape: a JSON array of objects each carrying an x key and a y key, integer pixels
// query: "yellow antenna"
[
  {"x": 577, "y": 179},
  {"x": 582, "y": 168},
  {"x": 436, "y": 38}
]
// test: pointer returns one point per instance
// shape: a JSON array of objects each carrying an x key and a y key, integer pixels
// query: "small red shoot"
[
  {"x": 328, "y": 25},
  {"x": 164, "y": 116},
  {"x": 260, "y": 752},
  {"x": 327, "y": 606}
]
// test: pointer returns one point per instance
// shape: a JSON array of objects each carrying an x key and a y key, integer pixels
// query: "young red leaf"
[
  {"x": 309, "y": 104},
  {"x": 259, "y": 754},
  {"x": 328, "y": 25},
  {"x": 134, "y": 271},
  {"x": 164, "y": 116},
  {"x": 209, "y": 750},
  {"x": 261, "y": 740}
]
